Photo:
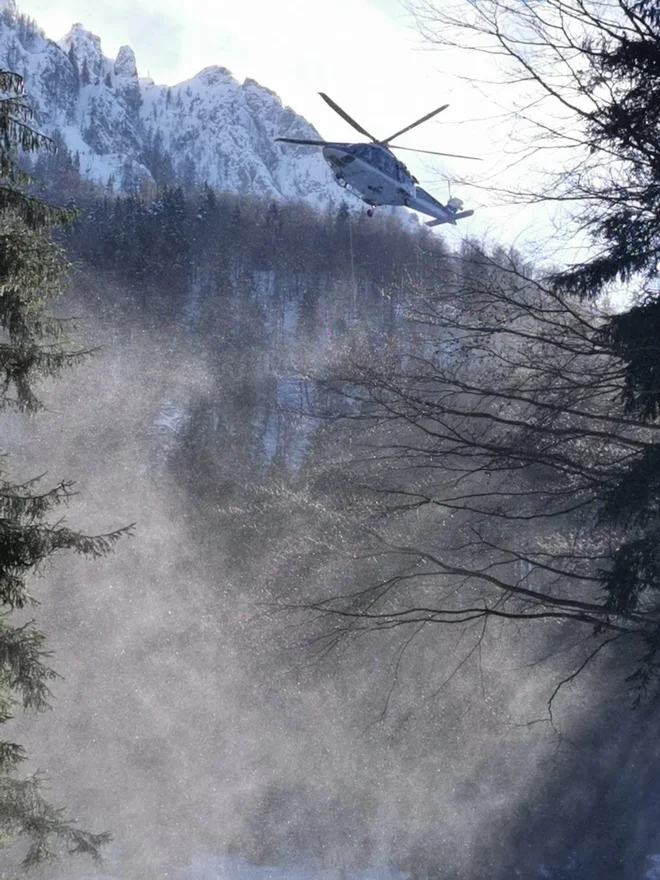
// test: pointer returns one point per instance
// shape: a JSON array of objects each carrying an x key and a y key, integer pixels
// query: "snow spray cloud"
[{"x": 179, "y": 727}]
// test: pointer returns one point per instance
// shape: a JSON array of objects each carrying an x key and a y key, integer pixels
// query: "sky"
[{"x": 366, "y": 54}]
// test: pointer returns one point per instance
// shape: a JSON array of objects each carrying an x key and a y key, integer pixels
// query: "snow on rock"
[
  {"x": 210, "y": 128},
  {"x": 51, "y": 83},
  {"x": 125, "y": 64},
  {"x": 653, "y": 873},
  {"x": 86, "y": 49}
]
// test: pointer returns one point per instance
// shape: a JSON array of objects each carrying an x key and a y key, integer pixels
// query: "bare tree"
[
  {"x": 470, "y": 477},
  {"x": 577, "y": 84},
  {"x": 511, "y": 471}
]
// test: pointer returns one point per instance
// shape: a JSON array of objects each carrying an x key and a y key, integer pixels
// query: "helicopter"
[{"x": 374, "y": 174}]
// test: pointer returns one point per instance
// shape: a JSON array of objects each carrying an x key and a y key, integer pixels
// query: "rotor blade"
[
  {"x": 344, "y": 115},
  {"x": 413, "y": 124},
  {"x": 301, "y": 141},
  {"x": 434, "y": 153}
]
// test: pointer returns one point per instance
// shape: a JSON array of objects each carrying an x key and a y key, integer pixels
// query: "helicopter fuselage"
[
  {"x": 371, "y": 171},
  {"x": 374, "y": 174}
]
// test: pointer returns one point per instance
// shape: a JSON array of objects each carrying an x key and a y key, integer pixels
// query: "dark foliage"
[
  {"x": 33, "y": 345},
  {"x": 634, "y": 337},
  {"x": 623, "y": 219}
]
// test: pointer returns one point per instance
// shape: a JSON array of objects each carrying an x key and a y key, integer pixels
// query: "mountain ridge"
[{"x": 127, "y": 131}]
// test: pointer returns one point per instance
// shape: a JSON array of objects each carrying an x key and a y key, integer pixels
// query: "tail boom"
[{"x": 452, "y": 219}]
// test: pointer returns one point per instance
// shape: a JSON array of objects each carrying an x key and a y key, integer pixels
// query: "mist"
[{"x": 203, "y": 730}]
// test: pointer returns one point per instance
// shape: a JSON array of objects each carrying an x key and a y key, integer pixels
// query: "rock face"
[{"x": 210, "y": 128}]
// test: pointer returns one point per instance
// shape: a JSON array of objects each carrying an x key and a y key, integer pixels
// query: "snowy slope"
[{"x": 210, "y": 128}]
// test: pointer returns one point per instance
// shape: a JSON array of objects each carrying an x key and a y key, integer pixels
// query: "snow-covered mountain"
[{"x": 210, "y": 128}]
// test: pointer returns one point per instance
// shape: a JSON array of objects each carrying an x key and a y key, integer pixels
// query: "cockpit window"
[
  {"x": 381, "y": 159},
  {"x": 362, "y": 151},
  {"x": 385, "y": 162}
]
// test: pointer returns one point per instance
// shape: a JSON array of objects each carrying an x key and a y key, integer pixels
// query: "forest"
[{"x": 362, "y": 527}]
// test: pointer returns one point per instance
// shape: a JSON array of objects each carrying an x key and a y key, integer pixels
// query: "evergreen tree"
[
  {"x": 13, "y": 52},
  {"x": 84, "y": 73},
  {"x": 175, "y": 244},
  {"x": 33, "y": 345},
  {"x": 267, "y": 252},
  {"x": 624, "y": 221},
  {"x": 74, "y": 65},
  {"x": 156, "y": 159},
  {"x": 128, "y": 181}
]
